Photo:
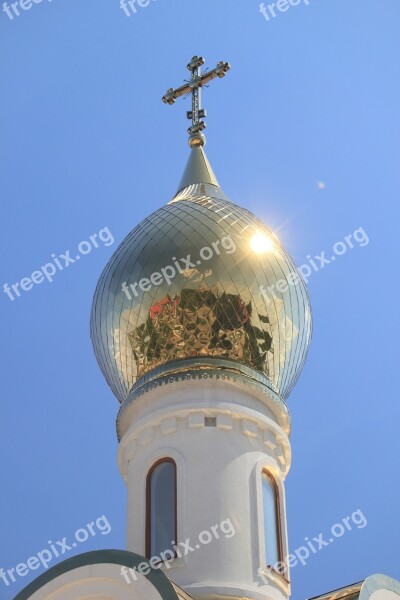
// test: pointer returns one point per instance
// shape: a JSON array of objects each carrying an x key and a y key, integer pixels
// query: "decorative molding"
[
  {"x": 270, "y": 440},
  {"x": 196, "y": 420},
  {"x": 280, "y": 457},
  {"x": 169, "y": 425},
  {"x": 196, "y": 376},
  {"x": 224, "y": 421},
  {"x": 270, "y": 437},
  {"x": 146, "y": 436},
  {"x": 249, "y": 428}
]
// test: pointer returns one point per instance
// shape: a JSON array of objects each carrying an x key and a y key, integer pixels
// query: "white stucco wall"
[{"x": 218, "y": 478}]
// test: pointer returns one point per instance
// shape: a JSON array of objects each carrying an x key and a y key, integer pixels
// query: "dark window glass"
[
  {"x": 161, "y": 508},
  {"x": 271, "y": 520}
]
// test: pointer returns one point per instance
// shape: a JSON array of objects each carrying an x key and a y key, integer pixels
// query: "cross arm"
[
  {"x": 220, "y": 71},
  {"x": 172, "y": 95}
]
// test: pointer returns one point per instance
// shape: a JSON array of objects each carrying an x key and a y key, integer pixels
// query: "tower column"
[
  {"x": 222, "y": 434},
  {"x": 201, "y": 325}
]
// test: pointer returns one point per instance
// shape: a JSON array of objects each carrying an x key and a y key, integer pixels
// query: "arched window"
[
  {"x": 161, "y": 521},
  {"x": 272, "y": 529}
]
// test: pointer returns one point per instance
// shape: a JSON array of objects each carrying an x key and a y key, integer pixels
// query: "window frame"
[
  {"x": 166, "y": 459},
  {"x": 278, "y": 524}
]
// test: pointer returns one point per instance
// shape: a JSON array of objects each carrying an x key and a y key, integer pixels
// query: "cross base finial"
[{"x": 197, "y": 139}]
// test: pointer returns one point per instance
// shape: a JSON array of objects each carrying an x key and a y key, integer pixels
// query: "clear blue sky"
[{"x": 86, "y": 143}]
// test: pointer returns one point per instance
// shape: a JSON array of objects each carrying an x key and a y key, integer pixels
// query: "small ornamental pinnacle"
[{"x": 197, "y": 81}]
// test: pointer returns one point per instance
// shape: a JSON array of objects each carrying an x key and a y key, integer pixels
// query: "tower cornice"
[{"x": 202, "y": 382}]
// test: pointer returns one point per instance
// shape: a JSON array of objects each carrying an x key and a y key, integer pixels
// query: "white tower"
[{"x": 201, "y": 326}]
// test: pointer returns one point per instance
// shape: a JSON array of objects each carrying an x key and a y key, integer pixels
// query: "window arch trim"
[
  {"x": 166, "y": 459},
  {"x": 278, "y": 523}
]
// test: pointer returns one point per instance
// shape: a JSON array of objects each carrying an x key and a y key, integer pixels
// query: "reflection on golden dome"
[
  {"x": 199, "y": 322},
  {"x": 185, "y": 284},
  {"x": 261, "y": 243}
]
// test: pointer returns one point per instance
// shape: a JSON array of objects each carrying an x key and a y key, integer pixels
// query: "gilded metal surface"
[
  {"x": 211, "y": 308},
  {"x": 199, "y": 323}
]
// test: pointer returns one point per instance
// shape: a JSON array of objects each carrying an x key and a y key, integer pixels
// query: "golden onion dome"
[{"x": 200, "y": 284}]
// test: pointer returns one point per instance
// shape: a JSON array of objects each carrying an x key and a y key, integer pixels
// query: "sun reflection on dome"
[{"x": 260, "y": 243}]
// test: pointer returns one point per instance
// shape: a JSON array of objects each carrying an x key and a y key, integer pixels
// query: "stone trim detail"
[
  {"x": 224, "y": 421},
  {"x": 196, "y": 420},
  {"x": 197, "y": 375},
  {"x": 249, "y": 428},
  {"x": 169, "y": 425},
  {"x": 271, "y": 439}
]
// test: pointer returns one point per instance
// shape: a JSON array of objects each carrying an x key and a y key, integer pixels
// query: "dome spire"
[
  {"x": 193, "y": 86},
  {"x": 198, "y": 170}
]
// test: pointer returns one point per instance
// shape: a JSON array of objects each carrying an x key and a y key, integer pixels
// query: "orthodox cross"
[{"x": 193, "y": 86}]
